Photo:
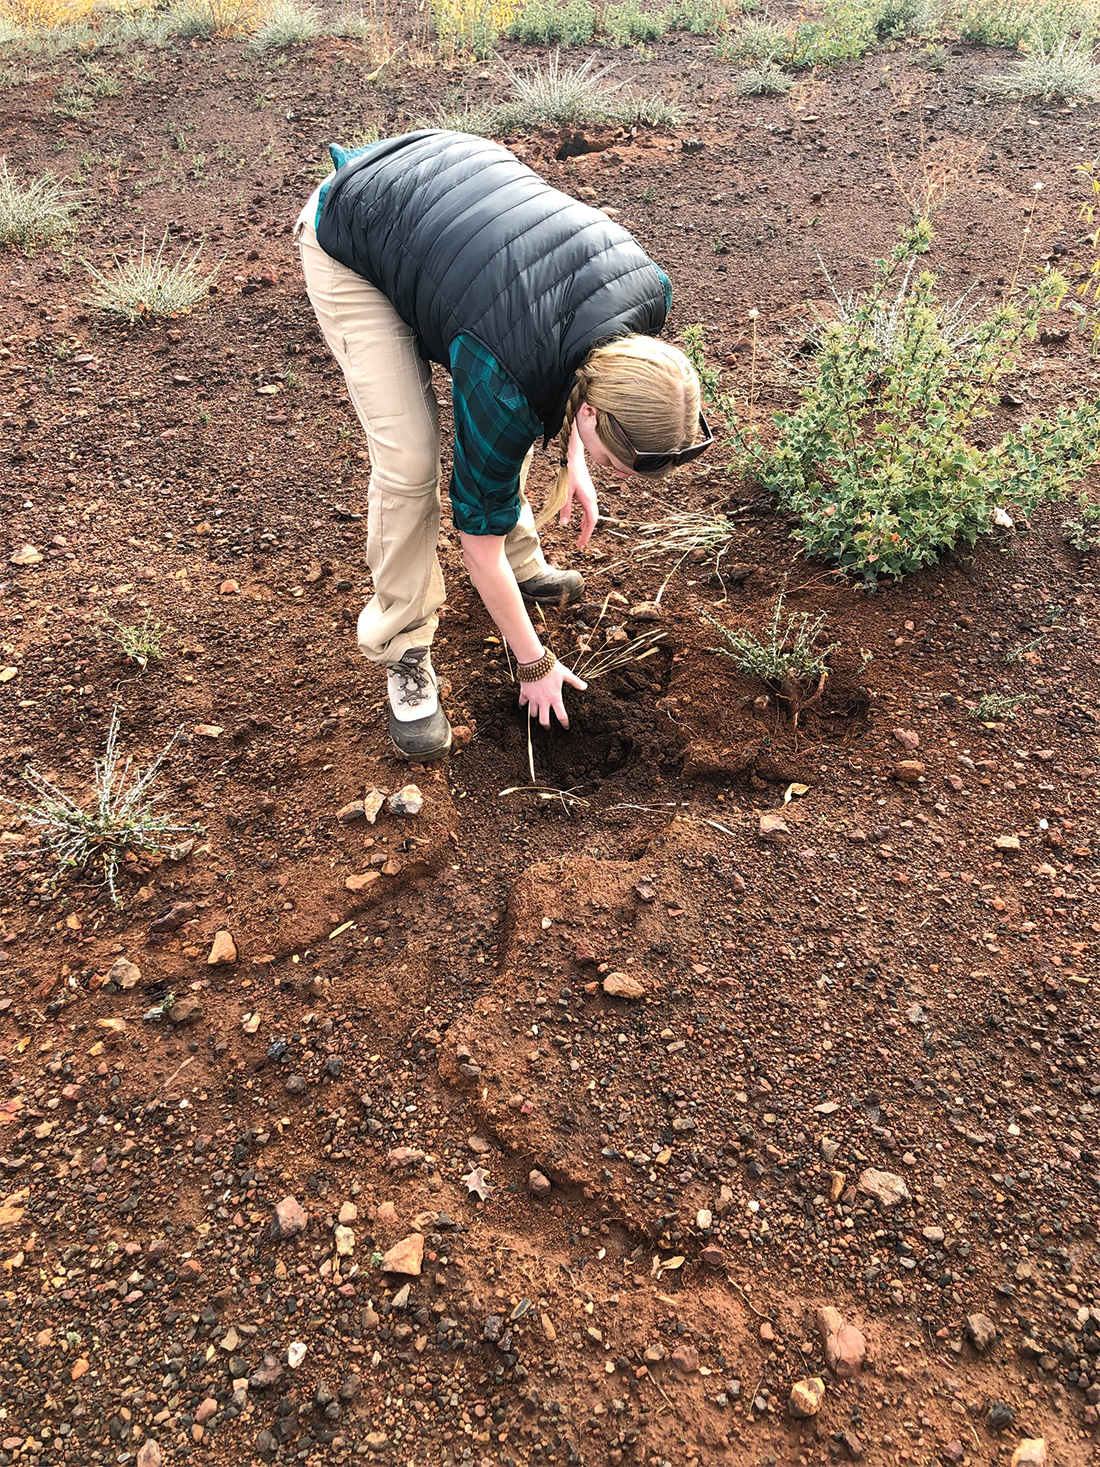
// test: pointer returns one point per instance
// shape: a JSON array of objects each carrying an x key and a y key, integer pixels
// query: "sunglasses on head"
[{"x": 643, "y": 462}]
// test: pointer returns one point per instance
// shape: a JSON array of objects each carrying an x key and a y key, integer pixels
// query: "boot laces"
[{"x": 413, "y": 679}]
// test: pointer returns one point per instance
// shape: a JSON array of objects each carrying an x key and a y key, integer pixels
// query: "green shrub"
[
  {"x": 1010, "y": 22},
  {"x": 565, "y": 97},
  {"x": 628, "y": 23},
  {"x": 548, "y": 23},
  {"x": 700, "y": 17},
  {"x": 877, "y": 463}
]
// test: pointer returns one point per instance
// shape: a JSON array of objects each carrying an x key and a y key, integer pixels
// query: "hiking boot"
[
  {"x": 552, "y": 587},
  {"x": 418, "y": 727}
]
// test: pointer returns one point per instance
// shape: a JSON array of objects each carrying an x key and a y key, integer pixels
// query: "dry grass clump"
[
  {"x": 287, "y": 23},
  {"x": 144, "y": 287},
  {"x": 34, "y": 213}
]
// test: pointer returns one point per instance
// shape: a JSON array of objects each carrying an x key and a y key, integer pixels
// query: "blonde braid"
[{"x": 560, "y": 491}]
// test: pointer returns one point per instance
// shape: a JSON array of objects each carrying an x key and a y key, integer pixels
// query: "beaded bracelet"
[{"x": 531, "y": 672}]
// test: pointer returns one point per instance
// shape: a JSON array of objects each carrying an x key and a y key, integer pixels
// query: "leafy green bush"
[
  {"x": 877, "y": 463},
  {"x": 1083, "y": 533},
  {"x": 548, "y": 23}
]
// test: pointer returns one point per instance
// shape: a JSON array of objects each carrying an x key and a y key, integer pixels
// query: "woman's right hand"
[{"x": 544, "y": 697}]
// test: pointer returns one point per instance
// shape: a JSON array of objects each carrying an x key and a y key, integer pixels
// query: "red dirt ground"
[{"x": 882, "y": 986}]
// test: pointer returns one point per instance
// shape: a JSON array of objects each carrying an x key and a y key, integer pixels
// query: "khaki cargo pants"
[{"x": 390, "y": 387}]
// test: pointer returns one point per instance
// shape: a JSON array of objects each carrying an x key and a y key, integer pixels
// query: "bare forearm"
[{"x": 496, "y": 585}]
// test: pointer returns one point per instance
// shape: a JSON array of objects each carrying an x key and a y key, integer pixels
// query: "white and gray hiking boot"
[{"x": 418, "y": 727}]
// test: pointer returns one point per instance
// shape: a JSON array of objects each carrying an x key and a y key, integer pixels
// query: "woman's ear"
[{"x": 587, "y": 413}]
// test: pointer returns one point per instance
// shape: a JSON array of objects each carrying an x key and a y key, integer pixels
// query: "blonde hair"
[{"x": 648, "y": 386}]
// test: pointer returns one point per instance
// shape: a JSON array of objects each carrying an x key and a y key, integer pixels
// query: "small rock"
[
  {"x": 644, "y": 611},
  {"x": 345, "y": 1242},
  {"x": 184, "y": 1011},
  {"x": 806, "y": 1396},
  {"x": 654, "y": 1354},
  {"x": 348, "y": 1214},
  {"x": 350, "y": 1388},
  {"x": 714, "y": 1257},
  {"x": 767, "y": 1332},
  {"x": 1008, "y": 843},
  {"x": 1032, "y": 1452},
  {"x": 295, "y": 1084},
  {"x": 205, "y": 1410},
  {"x": 538, "y": 1184},
  {"x": 845, "y": 1347},
  {"x": 981, "y": 1330},
  {"x": 907, "y": 738},
  {"x": 373, "y": 801},
  {"x": 375, "y": 1440},
  {"x": 932, "y": 1235},
  {"x": 295, "y": 1354},
  {"x": 406, "y": 801},
  {"x": 26, "y": 555},
  {"x": 362, "y": 881},
  {"x": 405, "y": 1257},
  {"x": 621, "y": 985},
  {"x": 149, "y": 1454},
  {"x": 174, "y": 918},
  {"x": 288, "y": 1220},
  {"x": 223, "y": 950},
  {"x": 645, "y": 891},
  {"x": 772, "y": 826},
  {"x": 685, "y": 1358},
  {"x": 266, "y": 1375},
  {"x": 887, "y": 1188},
  {"x": 1000, "y": 1416},
  {"x": 909, "y": 771},
  {"x": 229, "y": 588},
  {"x": 703, "y": 1218},
  {"x": 124, "y": 973},
  {"x": 353, "y": 810}
]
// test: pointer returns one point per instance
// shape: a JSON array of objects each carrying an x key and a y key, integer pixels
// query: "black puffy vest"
[{"x": 463, "y": 238}]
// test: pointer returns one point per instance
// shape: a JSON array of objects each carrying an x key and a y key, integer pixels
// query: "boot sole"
[{"x": 562, "y": 599}]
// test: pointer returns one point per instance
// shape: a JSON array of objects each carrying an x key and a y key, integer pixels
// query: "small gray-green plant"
[
  {"x": 767, "y": 80},
  {"x": 996, "y": 707},
  {"x": 287, "y": 23},
  {"x": 1012, "y": 22},
  {"x": 695, "y": 351},
  {"x": 35, "y": 213},
  {"x": 700, "y": 17},
  {"x": 116, "y": 819},
  {"x": 933, "y": 57},
  {"x": 550, "y": 23},
  {"x": 787, "y": 649},
  {"x": 756, "y": 39},
  {"x": 143, "y": 287},
  {"x": 627, "y": 23},
  {"x": 1063, "y": 68},
  {"x": 562, "y": 96},
  {"x": 1083, "y": 533},
  {"x": 141, "y": 644}
]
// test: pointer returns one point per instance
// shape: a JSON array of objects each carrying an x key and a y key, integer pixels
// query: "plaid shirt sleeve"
[{"x": 494, "y": 428}]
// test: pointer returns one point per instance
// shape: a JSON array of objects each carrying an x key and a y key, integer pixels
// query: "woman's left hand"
[{"x": 583, "y": 491}]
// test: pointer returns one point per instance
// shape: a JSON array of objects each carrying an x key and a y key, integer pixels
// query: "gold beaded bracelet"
[{"x": 531, "y": 672}]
